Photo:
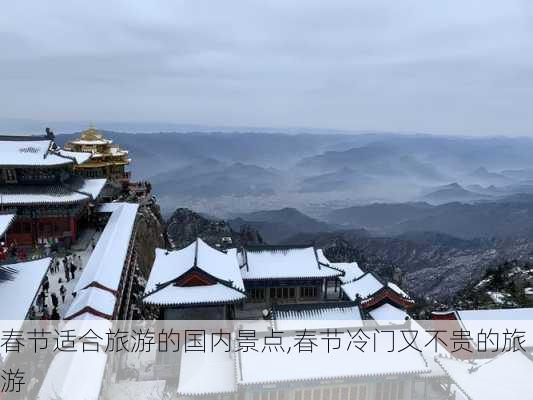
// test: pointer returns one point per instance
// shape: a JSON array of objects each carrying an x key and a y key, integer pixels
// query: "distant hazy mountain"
[
  {"x": 211, "y": 178},
  {"x": 378, "y": 159},
  {"x": 236, "y": 171},
  {"x": 519, "y": 174},
  {"x": 342, "y": 180},
  {"x": 452, "y": 192},
  {"x": 379, "y": 216},
  {"x": 278, "y": 225},
  {"x": 482, "y": 176}
]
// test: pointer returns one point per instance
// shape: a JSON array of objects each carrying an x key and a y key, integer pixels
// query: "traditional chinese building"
[
  {"x": 38, "y": 184},
  {"x": 382, "y": 300},
  {"x": 107, "y": 160},
  {"x": 197, "y": 282},
  {"x": 285, "y": 274}
]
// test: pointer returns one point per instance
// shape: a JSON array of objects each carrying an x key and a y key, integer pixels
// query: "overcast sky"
[{"x": 437, "y": 66}]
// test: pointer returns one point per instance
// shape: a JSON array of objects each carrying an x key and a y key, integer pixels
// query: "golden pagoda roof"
[{"x": 92, "y": 136}]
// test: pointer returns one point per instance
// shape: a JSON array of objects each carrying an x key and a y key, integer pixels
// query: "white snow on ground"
[
  {"x": 499, "y": 297},
  {"x": 54, "y": 277}
]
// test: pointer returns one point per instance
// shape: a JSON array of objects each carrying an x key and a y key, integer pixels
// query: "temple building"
[
  {"x": 267, "y": 282},
  {"x": 38, "y": 184},
  {"x": 285, "y": 274},
  {"x": 107, "y": 160},
  {"x": 197, "y": 282}
]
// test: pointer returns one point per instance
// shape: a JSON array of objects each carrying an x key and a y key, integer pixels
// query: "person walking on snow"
[
  {"x": 55, "y": 300},
  {"x": 63, "y": 293}
]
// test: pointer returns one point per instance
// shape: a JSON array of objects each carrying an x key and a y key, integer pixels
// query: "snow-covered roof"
[
  {"x": 92, "y": 187},
  {"x": 93, "y": 300},
  {"x": 73, "y": 191},
  {"x": 386, "y": 314},
  {"x": 109, "y": 207},
  {"x": 80, "y": 157},
  {"x": 168, "y": 266},
  {"x": 92, "y": 142},
  {"x": 283, "y": 263},
  {"x": 18, "y": 291},
  {"x": 363, "y": 287},
  {"x": 5, "y": 222},
  {"x": 49, "y": 194},
  {"x": 351, "y": 269},
  {"x": 510, "y": 314},
  {"x": 15, "y": 153},
  {"x": 209, "y": 294},
  {"x": 503, "y": 377},
  {"x": 107, "y": 260},
  {"x": 480, "y": 322},
  {"x": 74, "y": 375},
  {"x": 397, "y": 289},
  {"x": 316, "y": 316},
  {"x": 209, "y": 372},
  {"x": 269, "y": 367}
]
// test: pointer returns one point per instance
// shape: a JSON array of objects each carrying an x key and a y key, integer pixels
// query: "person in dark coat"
[
  {"x": 73, "y": 269},
  {"x": 63, "y": 293},
  {"x": 55, "y": 314},
  {"x": 55, "y": 300},
  {"x": 67, "y": 272},
  {"x": 46, "y": 285}
]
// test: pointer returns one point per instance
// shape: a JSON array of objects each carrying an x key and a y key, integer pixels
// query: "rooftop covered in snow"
[
  {"x": 388, "y": 314},
  {"x": 105, "y": 266},
  {"x": 351, "y": 269},
  {"x": 316, "y": 316},
  {"x": 92, "y": 300},
  {"x": 272, "y": 367},
  {"x": 504, "y": 377},
  {"x": 280, "y": 262},
  {"x": 362, "y": 287},
  {"x": 76, "y": 191},
  {"x": 37, "y": 152},
  {"x": 19, "y": 285},
  {"x": 5, "y": 222},
  {"x": 195, "y": 274}
]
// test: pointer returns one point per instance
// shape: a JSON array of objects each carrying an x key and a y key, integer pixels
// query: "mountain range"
[{"x": 224, "y": 173}]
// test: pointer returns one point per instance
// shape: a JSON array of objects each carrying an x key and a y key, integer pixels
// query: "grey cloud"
[{"x": 444, "y": 67}]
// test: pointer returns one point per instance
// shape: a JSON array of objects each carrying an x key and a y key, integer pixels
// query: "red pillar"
[{"x": 73, "y": 228}]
